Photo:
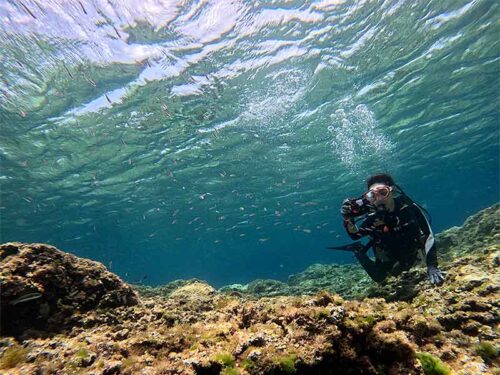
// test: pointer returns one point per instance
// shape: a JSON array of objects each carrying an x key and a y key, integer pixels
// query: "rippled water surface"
[{"x": 216, "y": 139}]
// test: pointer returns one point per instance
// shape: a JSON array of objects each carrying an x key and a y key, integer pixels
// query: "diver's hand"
[
  {"x": 436, "y": 277},
  {"x": 347, "y": 210}
]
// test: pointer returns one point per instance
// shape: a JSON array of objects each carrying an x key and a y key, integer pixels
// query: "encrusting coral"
[{"x": 405, "y": 326}]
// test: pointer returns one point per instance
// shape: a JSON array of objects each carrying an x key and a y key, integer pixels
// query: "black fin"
[{"x": 351, "y": 247}]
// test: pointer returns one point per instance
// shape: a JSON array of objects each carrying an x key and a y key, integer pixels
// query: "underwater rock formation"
[
  {"x": 43, "y": 287},
  {"x": 479, "y": 231},
  {"x": 351, "y": 281},
  {"x": 452, "y": 329},
  {"x": 163, "y": 290},
  {"x": 348, "y": 280}
]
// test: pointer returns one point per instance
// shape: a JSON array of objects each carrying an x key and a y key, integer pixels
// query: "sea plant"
[
  {"x": 83, "y": 353},
  {"x": 368, "y": 320},
  {"x": 229, "y": 371},
  {"x": 13, "y": 356},
  {"x": 487, "y": 351},
  {"x": 432, "y": 365},
  {"x": 225, "y": 359},
  {"x": 287, "y": 363},
  {"x": 322, "y": 313},
  {"x": 248, "y": 364}
]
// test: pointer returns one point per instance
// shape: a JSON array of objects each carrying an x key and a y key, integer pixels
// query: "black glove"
[{"x": 436, "y": 277}]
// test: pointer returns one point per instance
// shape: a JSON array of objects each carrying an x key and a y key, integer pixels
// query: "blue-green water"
[{"x": 217, "y": 139}]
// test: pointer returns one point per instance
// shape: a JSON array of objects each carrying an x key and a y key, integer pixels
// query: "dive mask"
[{"x": 378, "y": 192}]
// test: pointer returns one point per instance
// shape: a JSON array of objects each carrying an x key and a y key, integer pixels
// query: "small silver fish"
[
  {"x": 28, "y": 10},
  {"x": 117, "y": 33},
  {"x": 25, "y": 298},
  {"x": 84, "y": 11}
]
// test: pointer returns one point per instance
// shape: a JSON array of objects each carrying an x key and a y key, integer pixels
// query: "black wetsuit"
[{"x": 396, "y": 237}]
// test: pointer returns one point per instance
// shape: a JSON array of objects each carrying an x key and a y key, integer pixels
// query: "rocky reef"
[
  {"x": 43, "y": 288},
  {"x": 351, "y": 282},
  {"x": 405, "y": 326},
  {"x": 348, "y": 280}
]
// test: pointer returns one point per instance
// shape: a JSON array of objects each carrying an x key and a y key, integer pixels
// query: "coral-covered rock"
[
  {"x": 197, "y": 296},
  {"x": 478, "y": 231},
  {"x": 267, "y": 288},
  {"x": 164, "y": 290},
  {"x": 43, "y": 287},
  {"x": 349, "y": 281}
]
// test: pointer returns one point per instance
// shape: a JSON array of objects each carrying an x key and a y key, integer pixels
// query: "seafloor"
[{"x": 61, "y": 314}]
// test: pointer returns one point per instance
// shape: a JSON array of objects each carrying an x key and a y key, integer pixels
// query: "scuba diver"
[{"x": 397, "y": 228}]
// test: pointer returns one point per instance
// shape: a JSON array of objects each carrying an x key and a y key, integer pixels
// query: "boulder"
[{"x": 42, "y": 288}]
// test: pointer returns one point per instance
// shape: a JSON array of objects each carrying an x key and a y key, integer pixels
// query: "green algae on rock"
[{"x": 432, "y": 365}]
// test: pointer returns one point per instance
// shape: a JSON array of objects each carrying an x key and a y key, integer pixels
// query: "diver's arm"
[
  {"x": 431, "y": 257},
  {"x": 428, "y": 239},
  {"x": 436, "y": 277},
  {"x": 351, "y": 228},
  {"x": 356, "y": 233}
]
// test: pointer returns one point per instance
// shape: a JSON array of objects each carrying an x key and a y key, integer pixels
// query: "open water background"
[{"x": 217, "y": 139}]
